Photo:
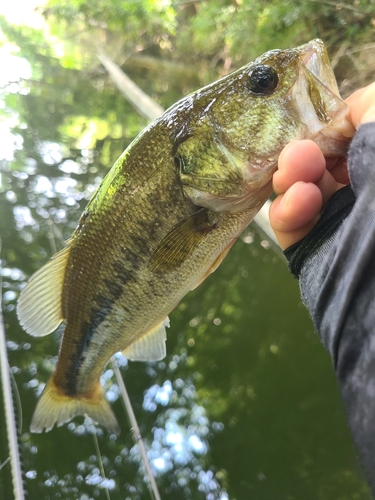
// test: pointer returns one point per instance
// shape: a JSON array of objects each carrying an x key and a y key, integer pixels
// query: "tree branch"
[
  {"x": 137, "y": 98},
  {"x": 338, "y": 6}
]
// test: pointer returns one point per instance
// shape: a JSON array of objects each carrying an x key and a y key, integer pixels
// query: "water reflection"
[
  {"x": 244, "y": 405},
  {"x": 177, "y": 445}
]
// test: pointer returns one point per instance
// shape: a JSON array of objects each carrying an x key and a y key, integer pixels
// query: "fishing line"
[
  {"x": 18, "y": 403},
  {"x": 99, "y": 457},
  {"x": 154, "y": 492},
  {"x": 4, "y": 463},
  {"x": 19, "y": 486},
  {"x": 51, "y": 237}
]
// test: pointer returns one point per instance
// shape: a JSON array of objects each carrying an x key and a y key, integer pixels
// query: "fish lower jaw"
[
  {"x": 258, "y": 173},
  {"x": 340, "y": 126},
  {"x": 335, "y": 139},
  {"x": 258, "y": 170},
  {"x": 332, "y": 143}
]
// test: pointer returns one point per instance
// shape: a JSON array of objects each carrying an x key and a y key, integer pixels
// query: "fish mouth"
[{"x": 327, "y": 114}]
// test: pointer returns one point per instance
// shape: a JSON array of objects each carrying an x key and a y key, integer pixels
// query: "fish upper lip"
[
  {"x": 315, "y": 58},
  {"x": 311, "y": 60}
]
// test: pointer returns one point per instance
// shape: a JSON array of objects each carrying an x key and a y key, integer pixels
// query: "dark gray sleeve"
[{"x": 336, "y": 269}]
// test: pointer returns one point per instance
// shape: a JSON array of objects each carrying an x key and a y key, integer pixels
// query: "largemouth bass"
[{"x": 167, "y": 214}]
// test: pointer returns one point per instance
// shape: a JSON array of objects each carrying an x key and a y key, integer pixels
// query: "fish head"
[{"x": 228, "y": 146}]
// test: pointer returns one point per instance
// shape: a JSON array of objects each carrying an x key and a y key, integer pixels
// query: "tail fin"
[{"x": 57, "y": 408}]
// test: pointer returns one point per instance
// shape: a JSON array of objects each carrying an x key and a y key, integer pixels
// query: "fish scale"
[{"x": 167, "y": 214}]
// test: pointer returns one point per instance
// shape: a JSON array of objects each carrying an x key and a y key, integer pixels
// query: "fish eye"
[{"x": 263, "y": 80}]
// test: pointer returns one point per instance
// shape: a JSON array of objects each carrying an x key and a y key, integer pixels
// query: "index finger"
[
  {"x": 362, "y": 105},
  {"x": 300, "y": 160}
]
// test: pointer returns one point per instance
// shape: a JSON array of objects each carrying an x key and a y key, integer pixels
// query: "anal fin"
[{"x": 150, "y": 347}]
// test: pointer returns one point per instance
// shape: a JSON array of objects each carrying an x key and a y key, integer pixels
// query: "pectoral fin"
[
  {"x": 179, "y": 244},
  {"x": 151, "y": 347},
  {"x": 39, "y": 306}
]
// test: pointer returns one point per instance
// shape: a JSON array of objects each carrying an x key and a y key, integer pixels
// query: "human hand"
[{"x": 305, "y": 179}]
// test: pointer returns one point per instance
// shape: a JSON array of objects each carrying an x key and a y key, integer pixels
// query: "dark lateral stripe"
[{"x": 101, "y": 309}]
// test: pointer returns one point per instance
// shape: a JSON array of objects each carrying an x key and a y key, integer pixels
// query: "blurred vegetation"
[
  {"x": 250, "y": 399},
  {"x": 169, "y": 49}
]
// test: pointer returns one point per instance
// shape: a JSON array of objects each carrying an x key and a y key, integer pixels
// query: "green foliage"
[{"x": 213, "y": 36}]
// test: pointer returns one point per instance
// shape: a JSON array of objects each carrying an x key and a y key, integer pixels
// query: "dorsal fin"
[
  {"x": 150, "y": 347},
  {"x": 39, "y": 305}
]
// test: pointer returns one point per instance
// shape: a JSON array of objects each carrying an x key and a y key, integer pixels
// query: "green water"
[{"x": 245, "y": 405}]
